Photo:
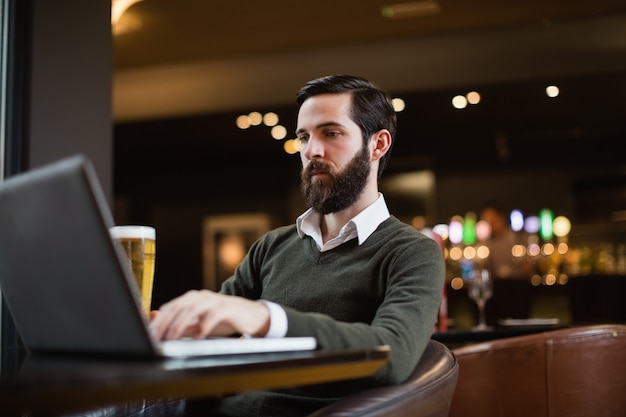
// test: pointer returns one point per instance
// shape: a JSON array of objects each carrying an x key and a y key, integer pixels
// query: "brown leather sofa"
[
  {"x": 426, "y": 393},
  {"x": 578, "y": 371}
]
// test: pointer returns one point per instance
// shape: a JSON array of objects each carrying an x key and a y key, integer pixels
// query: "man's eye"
[
  {"x": 332, "y": 134},
  {"x": 303, "y": 138}
]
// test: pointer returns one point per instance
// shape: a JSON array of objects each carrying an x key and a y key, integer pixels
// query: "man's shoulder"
[
  {"x": 283, "y": 230},
  {"x": 394, "y": 225},
  {"x": 272, "y": 240},
  {"x": 397, "y": 230},
  {"x": 281, "y": 233}
]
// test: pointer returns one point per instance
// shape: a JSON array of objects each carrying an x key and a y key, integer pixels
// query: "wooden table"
[{"x": 50, "y": 385}]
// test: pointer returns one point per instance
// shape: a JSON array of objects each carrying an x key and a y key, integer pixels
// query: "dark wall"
[
  {"x": 59, "y": 90},
  {"x": 70, "y": 84}
]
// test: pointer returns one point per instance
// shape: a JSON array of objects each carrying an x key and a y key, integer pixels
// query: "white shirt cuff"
[{"x": 278, "y": 320}]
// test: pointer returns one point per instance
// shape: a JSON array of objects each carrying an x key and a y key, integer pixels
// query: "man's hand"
[{"x": 205, "y": 313}]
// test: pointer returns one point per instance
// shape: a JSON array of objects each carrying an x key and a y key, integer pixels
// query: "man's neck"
[{"x": 331, "y": 224}]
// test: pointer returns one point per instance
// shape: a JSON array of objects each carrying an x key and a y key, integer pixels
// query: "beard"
[{"x": 339, "y": 190}]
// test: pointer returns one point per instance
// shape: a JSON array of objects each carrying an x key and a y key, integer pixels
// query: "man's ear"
[{"x": 380, "y": 143}]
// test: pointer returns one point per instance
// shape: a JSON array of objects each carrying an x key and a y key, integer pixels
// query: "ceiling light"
[
  {"x": 279, "y": 132},
  {"x": 398, "y": 104},
  {"x": 411, "y": 9},
  {"x": 292, "y": 146},
  {"x": 118, "y": 7},
  {"x": 270, "y": 119},
  {"x": 255, "y": 118},
  {"x": 459, "y": 102},
  {"x": 473, "y": 97},
  {"x": 552, "y": 91},
  {"x": 243, "y": 122}
]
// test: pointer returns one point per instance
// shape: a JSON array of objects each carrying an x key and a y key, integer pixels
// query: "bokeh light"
[
  {"x": 517, "y": 220},
  {"x": 279, "y": 132},
  {"x": 243, "y": 122},
  {"x": 473, "y": 97},
  {"x": 552, "y": 91},
  {"x": 455, "y": 231},
  {"x": 256, "y": 118},
  {"x": 398, "y": 104},
  {"x": 459, "y": 102},
  {"x": 562, "y": 226},
  {"x": 531, "y": 224},
  {"x": 270, "y": 119},
  {"x": 483, "y": 230},
  {"x": 292, "y": 146}
]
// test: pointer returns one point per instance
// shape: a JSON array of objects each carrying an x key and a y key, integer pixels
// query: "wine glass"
[{"x": 480, "y": 289}]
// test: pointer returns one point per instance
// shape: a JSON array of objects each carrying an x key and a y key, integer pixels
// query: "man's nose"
[{"x": 314, "y": 148}]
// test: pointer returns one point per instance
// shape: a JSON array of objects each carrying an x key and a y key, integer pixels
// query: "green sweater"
[{"x": 386, "y": 291}]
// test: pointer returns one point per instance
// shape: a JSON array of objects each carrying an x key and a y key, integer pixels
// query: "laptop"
[{"x": 65, "y": 281}]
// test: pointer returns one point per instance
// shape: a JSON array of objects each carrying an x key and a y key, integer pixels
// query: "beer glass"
[{"x": 139, "y": 243}]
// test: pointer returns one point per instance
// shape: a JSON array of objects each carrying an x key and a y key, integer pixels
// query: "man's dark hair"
[{"x": 371, "y": 110}]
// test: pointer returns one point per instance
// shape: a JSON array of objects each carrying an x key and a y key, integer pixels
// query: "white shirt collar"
[{"x": 364, "y": 223}]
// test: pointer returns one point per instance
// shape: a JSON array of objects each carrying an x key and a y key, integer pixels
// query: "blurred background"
[{"x": 521, "y": 102}]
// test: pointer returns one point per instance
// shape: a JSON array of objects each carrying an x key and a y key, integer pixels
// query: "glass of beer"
[{"x": 139, "y": 243}]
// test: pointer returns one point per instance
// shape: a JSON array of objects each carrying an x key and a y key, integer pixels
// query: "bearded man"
[{"x": 347, "y": 273}]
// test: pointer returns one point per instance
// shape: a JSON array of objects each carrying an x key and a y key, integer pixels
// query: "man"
[
  {"x": 347, "y": 272},
  {"x": 500, "y": 243}
]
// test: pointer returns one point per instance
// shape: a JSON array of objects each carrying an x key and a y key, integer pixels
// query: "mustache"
[{"x": 317, "y": 167}]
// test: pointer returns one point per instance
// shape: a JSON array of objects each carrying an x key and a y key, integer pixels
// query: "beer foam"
[{"x": 133, "y": 232}]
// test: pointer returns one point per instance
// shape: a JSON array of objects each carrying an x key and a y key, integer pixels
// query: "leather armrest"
[{"x": 427, "y": 392}]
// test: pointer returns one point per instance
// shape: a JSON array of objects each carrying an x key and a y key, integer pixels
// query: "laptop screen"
[{"x": 61, "y": 275}]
